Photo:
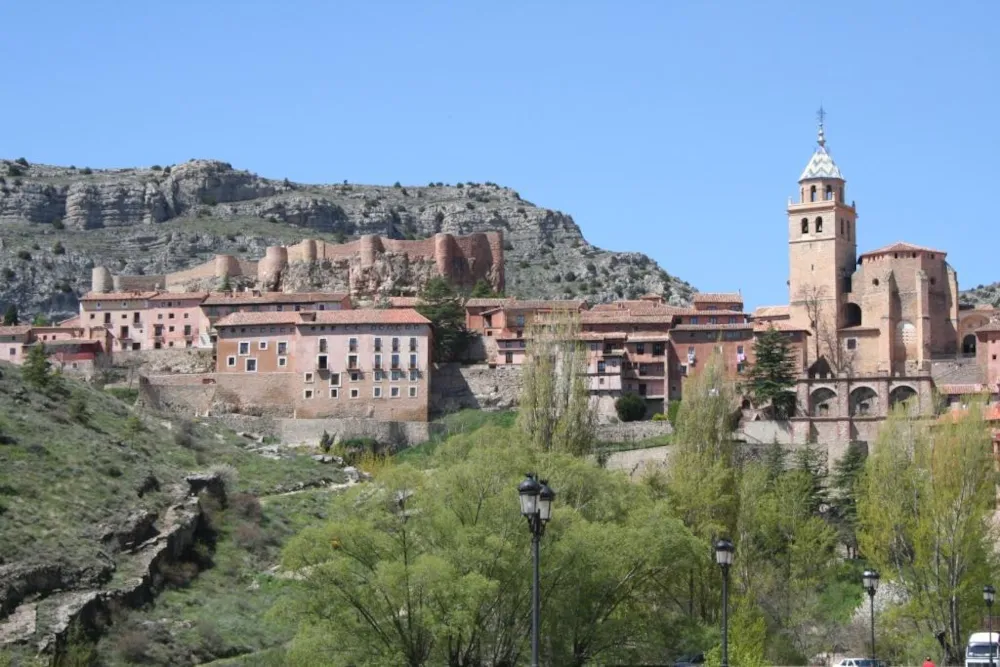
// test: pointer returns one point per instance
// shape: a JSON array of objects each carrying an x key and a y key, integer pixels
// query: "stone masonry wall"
[
  {"x": 454, "y": 387},
  {"x": 633, "y": 431},
  {"x": 397, "y": 434}
]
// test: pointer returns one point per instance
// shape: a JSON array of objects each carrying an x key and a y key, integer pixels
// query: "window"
[
  {"x": 244, "y": 348},
  {"x": 334, "y": 392},
  {"x": 334, "y": 379},
  {"x": 378, "y": 344},
  {"x": 739, "y": 349},
  {"x": 519, "y": 320},
  {"x": 732, "y": 320},
  {"x": 355, "y": 393},
  {"x": 352, "y": 345},
  {"x": 231, "y": 362},
  {"x": 601, "y": 367},
  {"x": 841, "y": 226},
  {"x": 393, "y": 392},
  {"x": 308, "y": 393},
  {"x": 378, "y": 361},
  {"x": 413, "y": 392},
  {"x": 684, "y": 370},
  {"x": 92, "y": 315},
  {"x": 413, "y": 361},
  {"x": 170, "y": 329},
  {"x": 657, "y": 349},
  {"x": 308, "y": 377},
  {"x": 352, "y": 361},
  {"x": 282, "y": 347},
  {"x": 262, "y": 345},
  {"x": 282, "y": 362},
  {"x": 321, "y": 362},
  {"x": 395, "y": 360},
  {"x": 397, "y": 375},
  {"x": 694, "y": 320},
  {"x": 251, "y": 365},
  {"x": 414, "y": 375},
  {"x": 170, "y": 316},
  {"x": 395, "y": 345},
  {"x": 355, "y": 376},
  {"x": 713, "y": 320},
  {"x": 829, "y": 192},
  {"x": 377, "y": 392},
  {"x": 322, "y": 345},
  {"x": 413, "y": 345},
  {"x": 852, "y": 343},
  {"x": 640, "y": 348},
  {"x": 819, "y": 225},
  {"x": 593, "y": 347},
  {"x": 812, "y": 193},
  {"x": 187, "y": 316}
]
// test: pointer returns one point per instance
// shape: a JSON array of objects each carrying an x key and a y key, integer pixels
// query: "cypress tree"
[{"x": 772, "y": 376}]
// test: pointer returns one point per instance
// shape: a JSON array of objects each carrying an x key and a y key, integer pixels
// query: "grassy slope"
[{"x": 65, "y": 473}]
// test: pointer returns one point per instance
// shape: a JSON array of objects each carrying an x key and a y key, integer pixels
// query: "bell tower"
[{"x": 822, "y": 249}]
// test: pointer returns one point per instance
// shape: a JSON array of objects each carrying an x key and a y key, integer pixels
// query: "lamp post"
[
  {"x": 536, "y": 506},
  {"x": 870, "y": 582},
  {"x": 724, "y": 551},
  {"x": 989, "y": 594}
]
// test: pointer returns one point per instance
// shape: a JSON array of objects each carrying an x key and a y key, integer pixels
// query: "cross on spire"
[{"x": 820, "y": 116}]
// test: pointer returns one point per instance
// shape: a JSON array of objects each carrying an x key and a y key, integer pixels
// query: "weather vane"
[{"x": 820, "y": 115}]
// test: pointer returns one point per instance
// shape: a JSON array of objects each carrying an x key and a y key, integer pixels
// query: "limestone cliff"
[{"x": 58, "y": 222}]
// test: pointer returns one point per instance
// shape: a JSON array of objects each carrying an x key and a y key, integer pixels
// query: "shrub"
[
  {"x": 459, "y": 185},
  {"x": 133, "y": 647},
  {"x": 24, "y": 254},
  {"x": 325, "y": 442},
  {"x": 439, "y": 217},
  {"x": 208, "y": 199},
  {"x": 249, "y": 536},
  {"x": 156, "y": 167},
  {"x": 184, "y": 434},
  {"x": 570, "y": 276},
  {"x": 178, "y": 575},
  {"x": 166, "y": 170},
  {"x": 77, "y": 409},
  {"x": 229, "y": 475},
  {"x": 246, "y": 506},
  {"x": 8, "y": 274},
  {"x": 630, "y": 407},
  {"x": 396, "y": 185},
  {"x": 86, "y": 171},
  {"x": 58, "y": 248},
  {"x": 507, "y": 245},
  {"x": 21, "y": 161},
  {"x": 672, "y": 409},
  {"x": 58, "y": 224},
  {"x": 469, "y": 205},
  {"x": 659, "y": 417},
  {"x": 14, "y": 170}
]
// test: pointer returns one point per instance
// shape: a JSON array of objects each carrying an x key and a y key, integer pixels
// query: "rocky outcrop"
[{"x": 156, "y": 221}]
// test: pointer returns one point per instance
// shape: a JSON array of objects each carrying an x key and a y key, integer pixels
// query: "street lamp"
[
  {"x": 536, "y": 506},
  {"x": 990, "y": 594},
  {"x": 724, "y": 551},
  {"x": 869, "y": 580}
]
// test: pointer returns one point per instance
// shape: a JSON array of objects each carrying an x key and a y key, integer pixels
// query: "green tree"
[
  {"x": 630, "y": 407},
  {"x": 772, "y": 376},
  {"x": 425, "y": 569},
  {"x": 37, "y": 369},
  {"x": 40, "y": 320},
  {"x": 483, "y": 290},
  {"x": 133, "y": 428},
  {"x": 925, "y": 506},
  {"x": 10, "y": 317},
  {"x": 554, "y": 405},
  {"x": 325, "y": 441},
  {"x": 224, "y": 284},
  {"x": 846, "y": 472},
  {"x": 440, "y": 303}
]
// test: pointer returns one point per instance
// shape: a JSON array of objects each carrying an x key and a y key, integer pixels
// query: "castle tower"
[{"x": 822, "y": 250}]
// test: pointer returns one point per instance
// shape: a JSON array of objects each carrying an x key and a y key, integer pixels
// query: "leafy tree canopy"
[
  {"x": 441, "y": 304},
  {"x": 771, "y": 377}
]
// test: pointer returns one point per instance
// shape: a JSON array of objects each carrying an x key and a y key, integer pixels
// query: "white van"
[{"x": 978, "y": 650}]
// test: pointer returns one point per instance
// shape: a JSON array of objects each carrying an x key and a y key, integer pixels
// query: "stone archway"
[
  {"x": 969, "y": 345},
  {"x": 904, "y": 394},
  {"x": 864, "y": 402},
  {"x": 823, "y": 403}
]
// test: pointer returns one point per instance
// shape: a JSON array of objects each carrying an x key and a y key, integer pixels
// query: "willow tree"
[
  {"x": 554, "y": 406},
  {"x": 702, "y": 480},
  {"x": 925, "y": 503}
]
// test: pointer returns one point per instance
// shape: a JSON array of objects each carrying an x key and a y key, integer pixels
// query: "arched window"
[
  {"x": 829, "y": 192},
  {"x": 841, "y": 193},
  {"x": 841, "y": 226},
  {"x": 812, "y": 193},
  {"x": 852, "y": 315},
  {"x": 819, "y": 225},
  {"x": 802, "y": 194},
  {"x": 805, "y": 225}
]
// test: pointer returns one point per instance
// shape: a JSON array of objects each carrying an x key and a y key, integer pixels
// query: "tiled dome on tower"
[{"x": 821, "y": 165}]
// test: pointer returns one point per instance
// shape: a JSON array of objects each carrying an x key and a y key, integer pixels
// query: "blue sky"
[{"x": 673, "y": 128}]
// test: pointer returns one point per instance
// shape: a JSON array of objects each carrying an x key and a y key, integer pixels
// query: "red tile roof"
[
  {"x": 116, "y": 296},
  {"x": 901, "y": 246},
  {"x": 403, "y": 301},
  {"x": 15, "y": 330},
  {"x": 178, "y": 296},
  {"x": 772, "y": 311},
  {"x": 989, "y": 326},
  {"x": 717, "y": 297},
  {"x": 744, "y": 326},
  {"x": 360, "y": 316},
  {"x": 779, "y": 326},
  {"x": 625, "y": 317},
  {"x": 600, "y": 335},
  {"x": 956, "y": 389},
  {"x": 226, "y": 299},
  {"x": 486, "y": 302}
]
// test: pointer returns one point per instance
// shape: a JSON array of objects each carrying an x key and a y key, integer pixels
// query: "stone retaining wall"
[
  {"x": 455, "y": 387},
  {"x": 309, "y": 431},
  {"x": 633, "y": 431}
]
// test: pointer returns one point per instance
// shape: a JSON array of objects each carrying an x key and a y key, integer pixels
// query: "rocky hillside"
[
  {"x": 58, "y": 222},
  {"x": 988, "y": 295}
]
